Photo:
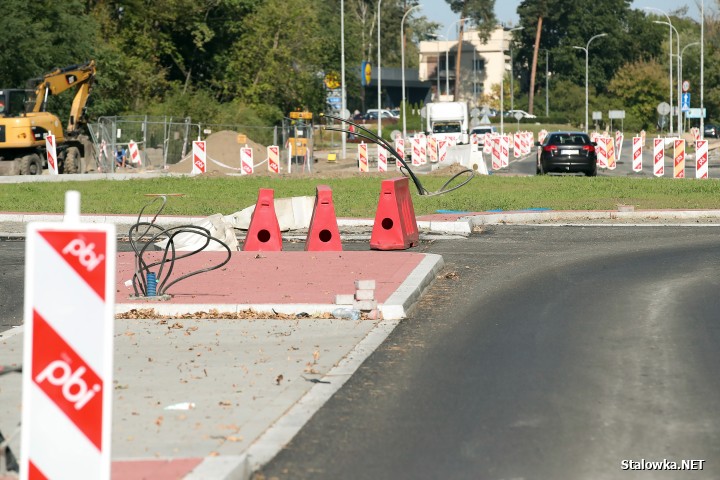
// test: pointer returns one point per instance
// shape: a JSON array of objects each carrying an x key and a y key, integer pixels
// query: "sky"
[{"x": 506, "y": 11}]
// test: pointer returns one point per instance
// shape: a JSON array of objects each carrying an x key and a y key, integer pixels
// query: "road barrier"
[
  {"x": 658, "y": 157},
  {"x": 395, "y": 226},
  {"x": 199, "y": 157},
  {"x": 701, "y": 159},
  {"x": 679, "y": 159},
  {"x": 323, "y": 234},
  {"x": 264, "y": 231},
  {"x": 637, "y": 154}
]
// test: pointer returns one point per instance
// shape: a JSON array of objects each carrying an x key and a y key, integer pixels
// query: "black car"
[
  {"x": 712, "y": 131},
  {"x": 567, "y": 152}
]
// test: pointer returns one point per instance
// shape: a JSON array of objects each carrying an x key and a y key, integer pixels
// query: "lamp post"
[
  {"x": 512, "y": 85},
  {"x": 437, "y": 70},
  {"x": 343, "y": 105},
  {"x": 402, "y": 54},
  {"x": 586, "y": 48},
  {"x": 679, "y": 80},
  {"x": 702, "y": 68},
  {"x": 547, "y": 84},
  {"x": 447, "y": 63},
  {"x": 669, "y": 59},
  {"x": 379, "y": 94}
]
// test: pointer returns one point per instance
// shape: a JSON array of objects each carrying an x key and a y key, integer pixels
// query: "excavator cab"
[{"x": 14, "y": 102}]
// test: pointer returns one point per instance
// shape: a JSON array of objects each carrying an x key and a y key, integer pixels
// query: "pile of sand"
[{"x": 223, "y": 155}]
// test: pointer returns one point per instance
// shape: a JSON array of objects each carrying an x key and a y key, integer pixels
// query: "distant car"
[
  {"x": 712, "y": 131},
  {"x": 567, "y": 152},
  {"x": 372, "y": 113},
  {"x": 511, "y": 113},
  {"x": 481, "y": 131}
]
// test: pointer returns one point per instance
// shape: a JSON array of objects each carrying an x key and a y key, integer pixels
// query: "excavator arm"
[{"x": 79, "y": 76}]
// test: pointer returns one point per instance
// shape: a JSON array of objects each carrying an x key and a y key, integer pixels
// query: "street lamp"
[
  {"x": 547, "y": 84},
  {"x": 402, "y": 54},
  {"x": 679, "y": 80},
  {"x": 343, "y": 105},
  {"x": 669, "y": 59},
  {"x": 379, "y": 94},
  {"x": 447, "y": 64},
  {"x": 586, "y": 48},
  {"x": 680, "y": 70},
  {"x": 512, "y": 87}
]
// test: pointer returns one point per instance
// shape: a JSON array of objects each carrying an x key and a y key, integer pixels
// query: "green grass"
[{"x": 358, "y": 196}]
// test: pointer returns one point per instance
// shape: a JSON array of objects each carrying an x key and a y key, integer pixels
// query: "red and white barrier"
[
  {"x": 637, "y": 154},
  {"x": 496, "y": 160},
  {"x": 601, "y": 151},
  {"x": 442, "y": 150},
  {"x": 432, "y": 149},
  {"x": 247, "y": 164},
  {"x": 658, "y": 157},
  {"x": 199, "y": 157},
  {"x": 642, "y": 137},
  {"x": 273, "y": 156},
  {"x": 610, "y": 147},
  {"x": 517, "y": 146},
  {"x": 423, "y": 148},
  {"x": 701, "y": 159},
  {"x": 51, "y": 151},
  {"x": 541, "y": 135},
  {"x": 363, "y": 163},
  {"x": 415, "y": 155},
  {"x": 619, "y": 137},
  {"x": 382, "y": 159},
  {"x": 68, "y": 348},
  {"x": 134, "y": 153},
  {"x": 679, "y": 159},
  {"x": 400, "y": 149},
  {"x": 488, "y": 143},
  {"x": 504, "y": 151}
]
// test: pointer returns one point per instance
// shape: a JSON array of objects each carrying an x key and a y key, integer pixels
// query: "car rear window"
[{"x": 569, "y": 139}]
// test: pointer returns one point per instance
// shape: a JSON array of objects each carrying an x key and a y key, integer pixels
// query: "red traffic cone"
[
  {"x": 264, "y": 231},
  {"x": 323, "y": 234},
  {"x": 395, "y": 226}
]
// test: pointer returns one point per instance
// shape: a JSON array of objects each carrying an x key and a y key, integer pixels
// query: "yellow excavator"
[{"x": 24, "y": 122}]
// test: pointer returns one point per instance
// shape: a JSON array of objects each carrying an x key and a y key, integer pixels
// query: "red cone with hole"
[
  {"x": 323, "y": 235},
  {"x": 264, "y": 231},
  {"x": 395, "y": 226}
]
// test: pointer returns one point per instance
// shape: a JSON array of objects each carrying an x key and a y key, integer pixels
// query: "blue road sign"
[{"x": 685, "y": 104}]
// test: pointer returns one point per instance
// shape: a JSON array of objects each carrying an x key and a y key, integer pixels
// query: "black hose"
[
  {"x": 405, "y": 169},
  {"x": 169, "y": 257}
]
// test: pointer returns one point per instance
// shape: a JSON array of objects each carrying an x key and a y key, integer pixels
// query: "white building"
[{"x": 482, "y": 65}]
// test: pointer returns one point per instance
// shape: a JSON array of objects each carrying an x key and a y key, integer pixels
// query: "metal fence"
[{"x": 164, "y": 141}]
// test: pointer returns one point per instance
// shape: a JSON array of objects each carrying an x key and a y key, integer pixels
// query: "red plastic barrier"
[
  {"x": 395, "y": 226},
  {"x": 323, "y": 235},
  {"x": 264, "y": 231}
]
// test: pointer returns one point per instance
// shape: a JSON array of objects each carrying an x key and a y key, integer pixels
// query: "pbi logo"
[
  {"x": 200, "y": 164},
  {"x": 84, "y": 252},
  {"x": 74, "y": 388}
]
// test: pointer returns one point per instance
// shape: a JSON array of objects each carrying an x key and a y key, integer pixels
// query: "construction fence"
[{"x": 165, "y": 143}]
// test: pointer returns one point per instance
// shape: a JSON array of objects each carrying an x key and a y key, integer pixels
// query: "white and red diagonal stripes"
[
  {"x": 247, "y": 163},
  {"x": 199, "y": 157},
  {"x": 273, "y": 155},
  {"x": 134, "y": 153},
  {"x": 658, "y": 157},
  {"x": 637, "y": 149},
  {"x": 701, "y": 159},
  {"x": 51, "y": 151},
  {"x": 67, "y": 379}
]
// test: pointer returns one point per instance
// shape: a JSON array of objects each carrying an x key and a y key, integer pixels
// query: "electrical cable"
[
  {"x": 169, "y": 256},
  {"x": 405, "y": 169}
]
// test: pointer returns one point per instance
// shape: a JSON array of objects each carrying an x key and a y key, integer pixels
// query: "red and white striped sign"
[
  {"x": 601, "y": 152},
  {"x": 658, "y": 157},
  {"x": 701, "y": 159},
  {"x": 400, "y": 149},
  {"x": 442, "y": 150},
  {"x": 679, "y": 159},
  {"x": 517, "y": 146},
  {"x": 432, "y": 149},
  {"x": 610, "y": 148},
  {"x": 199, "y": 157},
  {"x": 68, "y": 349},
  {"x": 382, "y": 159},
  {"x": 488, "y": 143},
  {"x": 273, "y": 156},
  {"x": 496, "y": 160},
  {"x": 247, "y": 164},
  {"x": 134, "y": 153},
  {"x": 423, "y": 148},
  {"x": 51, "y": 154},
  {"x": 363, "y": 157},
  {"x": 642, "y": 137},
  {"x": 504, "y": 151},
  {"x": 541, "y": 135},
  {"x": 637, "y": 154},
  {"x": 415, "y": 155},
  {"x": 619, "y": 137}
]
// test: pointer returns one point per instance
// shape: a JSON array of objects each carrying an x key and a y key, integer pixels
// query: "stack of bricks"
[{"x": 363, "y": 299}]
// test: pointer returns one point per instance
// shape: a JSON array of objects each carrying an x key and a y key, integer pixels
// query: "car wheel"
[{"x": 592, "y": 173}]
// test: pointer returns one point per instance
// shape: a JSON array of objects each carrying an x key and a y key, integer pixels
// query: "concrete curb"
[{"x": 397, "y": 305}]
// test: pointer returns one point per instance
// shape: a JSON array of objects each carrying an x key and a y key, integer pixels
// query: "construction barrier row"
[{"x": 395, "y": 226}]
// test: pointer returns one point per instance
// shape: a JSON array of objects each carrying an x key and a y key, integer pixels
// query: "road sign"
[
  {"x": 696, "y": 113},
  {"x": 685, "y": 104},
  {"x": 518, "y": 116},
  {"x": 685, "y": 86},
  {"x": 616, "y": 114},
  {"x": 663, "y": 108},
  {"x": 597, "y": 115}
]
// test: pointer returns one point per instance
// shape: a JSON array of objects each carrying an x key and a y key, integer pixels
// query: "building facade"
[{"x": 482, "y": 65}]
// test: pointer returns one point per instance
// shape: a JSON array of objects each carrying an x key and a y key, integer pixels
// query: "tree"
[{"x": 640, "y": 87}]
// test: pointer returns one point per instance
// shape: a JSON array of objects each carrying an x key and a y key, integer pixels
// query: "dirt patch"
[{"x": 223, "y": 155}]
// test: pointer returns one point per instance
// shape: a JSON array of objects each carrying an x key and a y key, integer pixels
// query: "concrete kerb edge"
[
  {"x": 395, "y": 307},
  {"x": 559, "y": 215},
  {"x": 170, "y": 309}
]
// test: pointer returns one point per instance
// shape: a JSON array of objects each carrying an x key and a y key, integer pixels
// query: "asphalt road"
[{"x": 547, "y": 353}]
